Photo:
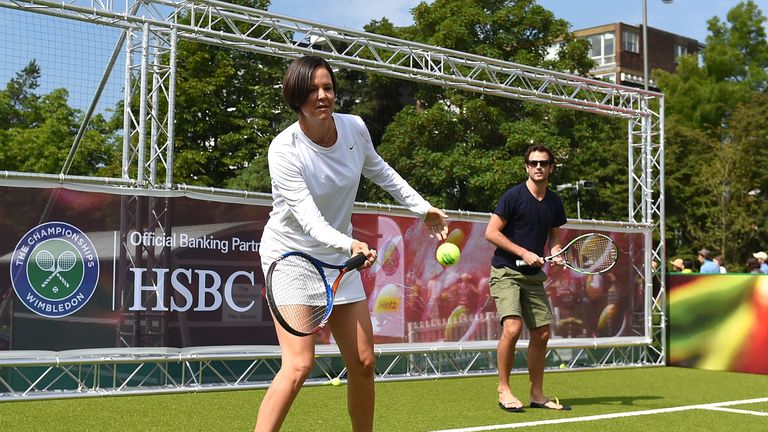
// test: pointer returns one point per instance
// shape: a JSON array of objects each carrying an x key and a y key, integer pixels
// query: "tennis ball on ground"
[
  {"x": 336, "y": 381},
  {"x": 448, "y": 254},
  {"x": 563, "y": 366}
]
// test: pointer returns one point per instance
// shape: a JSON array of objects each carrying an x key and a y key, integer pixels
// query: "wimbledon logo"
[{"x": 55, "y": 269}]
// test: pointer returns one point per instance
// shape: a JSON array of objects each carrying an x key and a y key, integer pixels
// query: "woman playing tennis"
[{"x": 315, "y": 165}]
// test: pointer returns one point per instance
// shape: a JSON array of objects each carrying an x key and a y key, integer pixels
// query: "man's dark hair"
[
  {"x": 540, "y": 148},
  {"x": 298, "y": 79}
]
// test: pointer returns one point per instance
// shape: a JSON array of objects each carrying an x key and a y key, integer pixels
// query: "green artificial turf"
[{"x": 427, "y": 405}]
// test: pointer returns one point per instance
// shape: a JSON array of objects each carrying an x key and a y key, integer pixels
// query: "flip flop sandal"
[
  {"x": 507, "y": 408},
  {"x": 544, "y": 405}
]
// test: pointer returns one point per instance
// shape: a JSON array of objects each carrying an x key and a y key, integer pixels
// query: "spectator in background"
[
  {"x": 720, "y": 261},
  {"x": 753, "y": 266},
  {"x": 678, "y": 265},
  {"x": 707, "y": 265},
  {"x": 687, "y": 266},
  {"x": 762, "y": 258}
]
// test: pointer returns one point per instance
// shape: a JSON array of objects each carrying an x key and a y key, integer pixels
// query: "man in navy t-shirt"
[{"x": 527, "y": 216}]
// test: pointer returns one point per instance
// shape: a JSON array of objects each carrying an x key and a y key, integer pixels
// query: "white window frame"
[
  {"x": 604, "y": 57},
  {"x": 630, "y": 41},
  {"x": 680, "y": 50}
]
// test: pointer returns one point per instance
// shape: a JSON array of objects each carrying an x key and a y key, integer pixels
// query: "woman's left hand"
[{"x": 437, "y": 221}]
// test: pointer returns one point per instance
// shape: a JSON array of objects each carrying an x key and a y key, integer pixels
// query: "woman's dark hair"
[
  {"x": 297, "y": 80},
  {"x": 540, "y": 148}
]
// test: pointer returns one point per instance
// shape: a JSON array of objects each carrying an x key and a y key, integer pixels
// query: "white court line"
[
  {"x": 716, "y": 405},
  {"x": 738, "y": 411}
]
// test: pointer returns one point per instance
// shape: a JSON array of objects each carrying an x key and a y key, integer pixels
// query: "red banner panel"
[
  {"x": 82, "y": 269},
  {"x": 719, "y": 322}
]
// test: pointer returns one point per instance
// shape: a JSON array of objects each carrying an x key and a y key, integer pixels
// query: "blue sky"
[{"x": 685, "y": 17}]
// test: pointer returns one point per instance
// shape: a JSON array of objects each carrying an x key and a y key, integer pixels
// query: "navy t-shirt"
[{"x": 528, "y": 223}]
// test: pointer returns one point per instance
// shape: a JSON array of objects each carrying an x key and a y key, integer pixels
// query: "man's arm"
[
  {"x": 555, "y": 245},
  {"x": 554, "y": 240},
  {"x": 494, "y": 235}
]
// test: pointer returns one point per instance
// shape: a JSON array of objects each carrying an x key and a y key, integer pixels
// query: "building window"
[
  {"x": 680, "y": 50},
  {"x": 601, "y": 50},
  {"x": 630, "y": 41}
]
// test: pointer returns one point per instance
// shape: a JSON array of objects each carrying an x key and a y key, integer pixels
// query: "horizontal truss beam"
[{"x": 248, "y": 29}]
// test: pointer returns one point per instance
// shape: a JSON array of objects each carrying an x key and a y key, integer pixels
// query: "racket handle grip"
[
  {"x": 521, "y": 263},
  {"x": 356, "y": 261}
]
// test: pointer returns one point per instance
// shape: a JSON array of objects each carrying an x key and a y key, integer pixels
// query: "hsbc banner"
[{"x": 82, "y": 269}]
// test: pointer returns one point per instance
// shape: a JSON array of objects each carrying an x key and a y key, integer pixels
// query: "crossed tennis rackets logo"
[
  {"x": 55, "y": 269},
  {"x": 56, "y": 266}
]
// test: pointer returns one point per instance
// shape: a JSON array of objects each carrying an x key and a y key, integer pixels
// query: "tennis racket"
[
  {"x": 298, "y": 292},
  {"x": 587, "y": 254}
]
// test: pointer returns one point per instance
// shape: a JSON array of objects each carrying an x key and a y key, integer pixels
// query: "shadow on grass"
[{"x": 610, "y": 400}]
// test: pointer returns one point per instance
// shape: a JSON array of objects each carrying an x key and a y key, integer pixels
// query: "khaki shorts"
[{"x": 521, "y": 295}]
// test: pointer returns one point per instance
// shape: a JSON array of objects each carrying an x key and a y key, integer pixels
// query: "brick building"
[{"x": 617, "y": 50}]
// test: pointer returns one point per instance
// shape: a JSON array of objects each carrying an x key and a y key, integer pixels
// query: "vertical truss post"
[
  {"x": 162, "y": 105},
  {"x": 141, "y": 146},
  {"x": 171, "y": 110},
  {"x": 128, "y": 121},
  {"x": 657, "y": 150}
]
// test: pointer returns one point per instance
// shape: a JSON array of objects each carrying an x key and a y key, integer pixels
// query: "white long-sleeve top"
[{"x": 314, "y": 190}]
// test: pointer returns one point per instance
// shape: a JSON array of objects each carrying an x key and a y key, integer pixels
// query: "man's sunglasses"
[{"x": 543, "y": 163}]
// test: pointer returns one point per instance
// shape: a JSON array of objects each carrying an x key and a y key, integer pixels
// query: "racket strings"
[
  {"x": 45, "y": 261},
  {"x": 593, "y": 253},
  {"x": 67, "y": 260},
  {"x": 300, "y": 293}
]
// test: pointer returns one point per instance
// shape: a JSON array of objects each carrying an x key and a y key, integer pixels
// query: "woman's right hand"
[
  {"x": 371, "y": 254},
  {"x": 437, "y": 221}
]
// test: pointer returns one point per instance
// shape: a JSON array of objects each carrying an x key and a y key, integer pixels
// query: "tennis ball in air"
[
  {"x": 448, "y": 254},
  {"x": 336, "y": 381}
]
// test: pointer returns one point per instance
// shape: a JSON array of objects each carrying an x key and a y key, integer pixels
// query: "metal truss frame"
[
  {"x": 31, "y": 375},
  {"x": 150, "y": 81}
]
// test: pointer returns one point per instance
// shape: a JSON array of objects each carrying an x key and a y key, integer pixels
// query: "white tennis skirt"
[{"x": 350, "y": 289}]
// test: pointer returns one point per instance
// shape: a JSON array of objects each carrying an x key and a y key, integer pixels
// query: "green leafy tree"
[
  {"x": 37, "y": 134},
  {"x": 228, "y": 108},
  {"x": 520, "y": 31},
  {"x": 18, "y": 96},
  {"x": 461, "y": 149},
  {"x": 596, "y": 152},
  {"x": 738, "y": 179},
  {"x": 715, "y": 152},
  {"x": 375, "y": 98},
  {"x": 737, "y": 50}
]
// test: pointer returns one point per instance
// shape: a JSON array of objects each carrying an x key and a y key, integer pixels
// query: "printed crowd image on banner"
[
  {"x": 93, "y": 274},
  {"x": 412, "y": 298}
]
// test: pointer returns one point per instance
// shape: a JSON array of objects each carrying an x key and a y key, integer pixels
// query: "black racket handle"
[{"x": 356, "y": 261}]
